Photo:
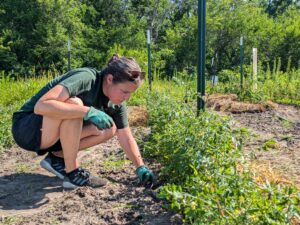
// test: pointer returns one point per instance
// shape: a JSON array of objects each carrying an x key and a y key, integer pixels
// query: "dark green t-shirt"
[{"x": 86, "y": 84}]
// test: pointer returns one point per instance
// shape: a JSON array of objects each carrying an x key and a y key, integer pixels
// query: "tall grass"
[
  {"x": 275, "y": 85},
  {"x": 177, "y": 88},
  {"x": 13, "y": 94}
]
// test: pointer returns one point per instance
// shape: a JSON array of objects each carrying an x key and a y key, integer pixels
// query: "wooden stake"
[{"x": 255, "y": 69}]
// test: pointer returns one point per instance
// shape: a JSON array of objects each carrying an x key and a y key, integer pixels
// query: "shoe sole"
[
  {"x": 69, "y": 185},
  {"x": 44, "y": 164}
]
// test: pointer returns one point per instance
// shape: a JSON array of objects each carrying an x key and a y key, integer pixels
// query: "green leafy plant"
[
  {"x": 270, "y": 144},
  {"x": 199, "y": 158}
]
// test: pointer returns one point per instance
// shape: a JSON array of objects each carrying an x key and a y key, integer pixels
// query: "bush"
[{"x": 228, "y": 76}]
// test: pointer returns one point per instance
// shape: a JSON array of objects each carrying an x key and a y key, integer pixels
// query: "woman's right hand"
[
  {"x": 145, "y": 175},
  {"x": 100, "y": 119}
]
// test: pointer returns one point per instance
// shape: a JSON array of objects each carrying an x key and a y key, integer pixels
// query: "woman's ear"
[{"x": 109, "y": 79}]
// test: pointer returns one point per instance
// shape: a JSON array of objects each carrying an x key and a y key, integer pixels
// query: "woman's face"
[{"x": 120, "y": 92}]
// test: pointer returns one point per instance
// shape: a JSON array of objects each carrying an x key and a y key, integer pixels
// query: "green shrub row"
[{"x": 199, "y": 158}]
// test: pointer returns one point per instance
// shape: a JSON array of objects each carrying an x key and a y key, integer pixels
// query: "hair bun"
[{"x": 114, "y": 58}]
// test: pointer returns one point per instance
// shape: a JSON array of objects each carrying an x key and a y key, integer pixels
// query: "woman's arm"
[
  {"x": 52, "y": 104},
  {"x": 130, "y": 146}
]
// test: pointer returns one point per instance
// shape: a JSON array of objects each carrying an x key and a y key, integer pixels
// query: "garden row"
[{"x": 205, "y": 174}]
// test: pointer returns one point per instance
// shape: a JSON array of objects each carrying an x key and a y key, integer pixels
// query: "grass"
[
  {"x": 23, "y": 168},
  {"x": 114, "y": 164},
  {"x": 280, "y": 87},
  {"x": 175, "y": 89},
  {"x": 287, "y": 124},
  {"x": 13, "y": 94},
  {"x": 9, "y": 220}
]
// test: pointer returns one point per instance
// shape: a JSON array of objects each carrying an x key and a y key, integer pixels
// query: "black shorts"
[{"x": 26, "y": 130}]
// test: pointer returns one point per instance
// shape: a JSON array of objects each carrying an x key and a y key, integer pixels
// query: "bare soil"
[
  {"x": 273, "y": 146},
  {"x": 31, "y": 195}
]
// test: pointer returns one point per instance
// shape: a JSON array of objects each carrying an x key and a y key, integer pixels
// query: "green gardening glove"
[
  {"x": 145, "y": 175},
  {"x": 99, "y": 118}
]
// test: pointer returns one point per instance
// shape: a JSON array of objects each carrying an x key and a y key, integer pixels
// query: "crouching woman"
[{"x": 80, "y": 109}]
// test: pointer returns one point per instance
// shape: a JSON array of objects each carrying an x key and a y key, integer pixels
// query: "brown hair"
[{"x": 124, "y": 69}]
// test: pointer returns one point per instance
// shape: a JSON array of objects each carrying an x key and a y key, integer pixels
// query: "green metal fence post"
[
  {"x": 201, "y": 55},
  {"x": 149, "y": 59}
]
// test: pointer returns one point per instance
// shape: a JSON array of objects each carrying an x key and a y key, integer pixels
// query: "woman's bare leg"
[
  {"x": 70, "y": 132},
  {"x": 72, "y": 136}
]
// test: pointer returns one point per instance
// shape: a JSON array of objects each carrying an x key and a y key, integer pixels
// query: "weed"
[
  {"x": 287, "y": 124},
  {"x": 8, "y": 220},
  {"x": 287, "y": 137},
  {"x": 22, "y": 168},
  {"x": 113, "y": 164},
  {"x": 270, "y": 144}
]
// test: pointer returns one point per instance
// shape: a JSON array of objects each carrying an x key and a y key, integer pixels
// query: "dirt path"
[
  {"x": 275, "y": 140},
  {"x": 31, "y": 195}
]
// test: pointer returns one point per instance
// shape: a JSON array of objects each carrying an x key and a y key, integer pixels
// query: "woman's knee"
[
  {"x": 75, "y": 101},
  {"x": 110, "y": 132},
  {"x": 113, "y": 130}
]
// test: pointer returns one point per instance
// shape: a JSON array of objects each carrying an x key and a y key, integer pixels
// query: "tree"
[
  {"x": 39, "y": 31},
  {"x": 278, "y": 7},
  {"x": 18, "y": 20},
  {"x": 289, "y": 45}
]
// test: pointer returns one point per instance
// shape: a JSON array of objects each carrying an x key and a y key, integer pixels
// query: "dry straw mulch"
[
  {"x": 137, "y": 116},
  {"x": 230, "y": 103},
  {"x": 264, "y": 173}
]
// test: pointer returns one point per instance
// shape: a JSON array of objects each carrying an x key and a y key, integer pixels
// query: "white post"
[
  {"x": 148, "y": 37},
  {"x": 241, "y": 40},
  {"x": 255, "y": 68},
  {"x": 69, "y": 45}
]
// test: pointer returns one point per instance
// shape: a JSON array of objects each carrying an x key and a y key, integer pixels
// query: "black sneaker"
[
  {"x": 80, "y": 178},
  {"x": 54, "y": 164}
]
